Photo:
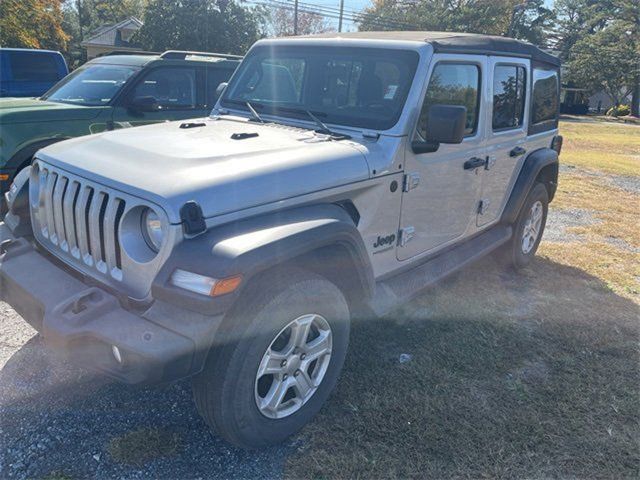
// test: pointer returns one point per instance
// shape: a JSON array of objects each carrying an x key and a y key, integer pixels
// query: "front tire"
[
  {"x": 528, "y": 228},
  {"x": 282, "y": 357}
]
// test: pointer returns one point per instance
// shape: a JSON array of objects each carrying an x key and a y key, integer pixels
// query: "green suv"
[{"x": 107, "y": 93}]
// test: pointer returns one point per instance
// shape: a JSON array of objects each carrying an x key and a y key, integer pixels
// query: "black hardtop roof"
[{"x": 455, "y": 42}]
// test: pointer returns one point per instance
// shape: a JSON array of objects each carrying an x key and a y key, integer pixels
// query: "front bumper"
[{"x": 162, "y": 343}]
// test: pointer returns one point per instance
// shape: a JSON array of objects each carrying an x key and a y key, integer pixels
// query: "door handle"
[
  {"x": 474, "y": 162},
  {"x": 517, "y": 151}
]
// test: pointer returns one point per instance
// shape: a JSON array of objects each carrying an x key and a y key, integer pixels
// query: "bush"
[{"x": 619, "y": 111}]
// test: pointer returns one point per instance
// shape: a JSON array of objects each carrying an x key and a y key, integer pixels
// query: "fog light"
[
  {"x": 204, "y": 285},
  {"x": 116, "y": 353}
]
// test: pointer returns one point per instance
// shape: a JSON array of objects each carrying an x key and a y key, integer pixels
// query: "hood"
[
  {"x": 223, "y": 165},
  {"x": 22, "y": 110}
]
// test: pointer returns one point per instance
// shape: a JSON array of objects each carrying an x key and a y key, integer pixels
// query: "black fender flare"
[
  {"x": 26, "y": 153},
  {"x": 253, "y": 245},
  {"x": 543, "y": 159}
]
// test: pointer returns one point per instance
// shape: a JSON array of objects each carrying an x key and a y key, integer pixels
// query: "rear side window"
[
  {"x": 34, "y": 67},
  {"x": 453, "y": 84},
  {"x": 545, "y": 96},
  {"x": 508, "y": 96}
]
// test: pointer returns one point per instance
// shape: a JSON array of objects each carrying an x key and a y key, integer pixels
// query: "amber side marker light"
[
  {"x": 4, "y": 177},
  {"x": 212, "y": 287}
]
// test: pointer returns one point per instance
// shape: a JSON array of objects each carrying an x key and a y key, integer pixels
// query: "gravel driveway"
[{"x": 57, "y": 421}]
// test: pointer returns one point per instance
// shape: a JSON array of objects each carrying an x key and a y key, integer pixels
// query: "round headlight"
[{"x": 152, "y": 229}]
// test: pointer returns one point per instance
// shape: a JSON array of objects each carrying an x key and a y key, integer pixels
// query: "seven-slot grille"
[{"x": 80, "y": 219}]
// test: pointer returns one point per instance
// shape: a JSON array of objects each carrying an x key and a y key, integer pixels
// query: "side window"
[
  {"x": 174, "y": 88},
  {"x": 34, "y": 67},
  {"x": 215, "y": 76},
  {"x": 545, "y": 96},
  {"x": 508, "y": 96},
  {"x": 453, "y": 84}
]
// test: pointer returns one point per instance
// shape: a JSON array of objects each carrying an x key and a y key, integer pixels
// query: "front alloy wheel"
[
  {"x": 280, "y": 357},
  {"x": 293, "y": 366}
]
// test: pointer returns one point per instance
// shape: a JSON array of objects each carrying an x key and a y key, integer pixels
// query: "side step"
[{"x": 404, "y": 286}]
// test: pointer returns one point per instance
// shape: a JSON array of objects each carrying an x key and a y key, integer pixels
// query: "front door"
[
  {"x": 177, "y": 90},
  {"x": 507, "y": 125},
  {"x": 440, "y": 202}
]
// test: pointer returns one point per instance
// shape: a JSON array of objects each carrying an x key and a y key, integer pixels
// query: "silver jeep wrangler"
[{"x": 337, "y": 175}]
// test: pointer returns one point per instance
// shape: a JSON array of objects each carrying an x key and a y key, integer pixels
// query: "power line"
[{"x": 334, "y": 13}]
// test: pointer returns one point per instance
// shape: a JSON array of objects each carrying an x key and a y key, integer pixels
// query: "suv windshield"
[
  {"x": 91, "y": 85},
  {"x": 357, "y": 87}
]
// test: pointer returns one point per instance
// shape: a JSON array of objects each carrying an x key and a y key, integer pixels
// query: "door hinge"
[
  {"x": 411, "y": 181},
  {"x": 405, "y": 235},
  {"x": 483, "y": 206}
]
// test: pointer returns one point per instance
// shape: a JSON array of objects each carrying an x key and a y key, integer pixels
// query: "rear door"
[
  {"x": 507, "y": 123},
  {"x": 440, "y": 199}
]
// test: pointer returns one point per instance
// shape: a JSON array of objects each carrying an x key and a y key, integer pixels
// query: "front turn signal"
[{"x": 212, "y": 287}]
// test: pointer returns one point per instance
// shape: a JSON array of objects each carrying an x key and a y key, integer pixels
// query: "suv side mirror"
[
  {"x": 221, "y": 88},
  {"x": 144, "y": 104},
  {"x": 446, "y": 125}
]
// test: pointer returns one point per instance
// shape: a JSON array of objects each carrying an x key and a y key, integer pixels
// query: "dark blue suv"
[{"x": 29, "y": 73}]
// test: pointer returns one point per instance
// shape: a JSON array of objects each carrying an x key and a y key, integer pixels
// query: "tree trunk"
[{"x": 635, "y": 98}]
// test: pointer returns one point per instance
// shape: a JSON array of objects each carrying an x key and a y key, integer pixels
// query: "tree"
[
  {"x": 210, "y": 25},
  {"x": 530, "y": 21},
  {"x": 281, "y": 22},
  {"x": 32, "y": 24},
  {"x": 599, "y": 42},
  {"x": 607, "y": 61}
]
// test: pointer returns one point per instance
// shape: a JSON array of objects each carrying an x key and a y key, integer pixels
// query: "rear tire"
[
  {"x": 233, "y": 390},
  {"x": 528, "y": 228}
]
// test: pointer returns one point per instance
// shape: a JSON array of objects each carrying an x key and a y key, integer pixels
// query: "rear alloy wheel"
[
  {"x": 528, "y": 228},
  {"x": 279, "y": 358}
]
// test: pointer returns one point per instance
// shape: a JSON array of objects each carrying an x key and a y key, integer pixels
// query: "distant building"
[{"x": 111, "y": 38}]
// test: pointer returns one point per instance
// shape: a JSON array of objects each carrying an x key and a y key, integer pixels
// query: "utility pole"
[
  {"x": 79, "y": 6},
  {"x": 295, "y": 18},
  {"x": 341, "y": 12}
]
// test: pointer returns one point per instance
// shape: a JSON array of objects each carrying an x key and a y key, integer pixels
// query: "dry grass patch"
[
  {"x": 141, "y": 446},
  {"x": 610, "y": 148}
]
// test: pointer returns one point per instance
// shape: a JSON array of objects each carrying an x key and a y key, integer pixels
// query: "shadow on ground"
[
  {"x": 510, "y": 375},
  {"x": 529, "y": 375},
  {"x": 57, "y": 421}
]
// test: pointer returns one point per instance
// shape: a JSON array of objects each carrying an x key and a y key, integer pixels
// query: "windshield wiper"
[
  {"x": 254, "y": 114},
  {"x": 323, "y": 126}
]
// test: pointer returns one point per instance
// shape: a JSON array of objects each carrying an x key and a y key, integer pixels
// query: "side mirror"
[
  {"x": 446, "y": 124},
  {"x": 221, "y": 88},
  {"x": 144, "y": 104}
]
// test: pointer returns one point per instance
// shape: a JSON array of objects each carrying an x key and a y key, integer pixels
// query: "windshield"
[
  {"x": 358, "y": 87},
  {"x": 91, "y": 85}
]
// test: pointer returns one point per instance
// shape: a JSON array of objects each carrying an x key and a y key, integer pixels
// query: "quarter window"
[
  {"x": 545, "y": 96},
  {"x": 453, "y": 84},
  {"x": 508, "y": 96},
  {"x": 173, "y": 88}
]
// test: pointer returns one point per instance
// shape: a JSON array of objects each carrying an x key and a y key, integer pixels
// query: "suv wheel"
[
  {"x": 284, "y": 351},
  {"x": 529, "y": 227}
]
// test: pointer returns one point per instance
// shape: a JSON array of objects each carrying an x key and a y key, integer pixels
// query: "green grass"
[{"x": 529, "y": 375}]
